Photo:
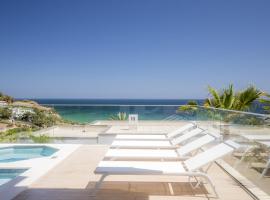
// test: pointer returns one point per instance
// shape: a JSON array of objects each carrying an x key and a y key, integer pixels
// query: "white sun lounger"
[
  {"x": 142, "y": 154},
  {"x": 156, "y": 144},
  {"x": 262, "y": 140},
  {"x": 168, "y": 136},
  {"x": 193, "y": 167},
  {"x": 257, "y": 137}
]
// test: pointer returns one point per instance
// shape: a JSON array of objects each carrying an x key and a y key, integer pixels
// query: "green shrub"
[
  {"x": 192, "y": 103},
  {"x": 40, "y": 118},
  {"x": 5, "y": 113},
  {"x": 40, "y": 139},
  {"x": 12, "y": 135},
  {"x": 6, "y": 98},
  {"x": 27, "y": 117},
  {"x": 119, "y": 116}
]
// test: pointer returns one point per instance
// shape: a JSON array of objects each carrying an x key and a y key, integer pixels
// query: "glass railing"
[
  {"x": 230, "y": 123},
  {"x": 250, "y": 130},
  {"x": 90, "y": 113}
]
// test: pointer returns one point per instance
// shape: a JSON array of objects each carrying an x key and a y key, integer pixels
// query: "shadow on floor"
[{"x": 115, "y": 191}]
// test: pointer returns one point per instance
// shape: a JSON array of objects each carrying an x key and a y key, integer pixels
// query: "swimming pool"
[
  {"x": 8, "y": 174},
  {"x": 17, "y": 153}
]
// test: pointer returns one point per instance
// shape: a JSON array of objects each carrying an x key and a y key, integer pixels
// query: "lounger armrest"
[{"x": 232, "y": 144}]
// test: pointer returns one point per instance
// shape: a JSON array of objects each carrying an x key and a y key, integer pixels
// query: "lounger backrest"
[
  {"x": 180, "y": 130},
  {"x": 194, "y": 145},
  {"x": 208, "y": 156},
  {"x": 214, "y": 133},
  {"x": 232, "y": 144},
  {"x": 186, "y": 136}
]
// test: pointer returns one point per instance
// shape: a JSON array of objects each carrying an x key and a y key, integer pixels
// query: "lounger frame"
[{"x": 193, "y": 167}]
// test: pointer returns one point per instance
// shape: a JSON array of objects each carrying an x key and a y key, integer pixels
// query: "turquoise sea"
[{"x": 89, "y": 110}]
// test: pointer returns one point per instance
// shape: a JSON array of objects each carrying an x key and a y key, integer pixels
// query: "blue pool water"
[
  {"x": 17, "y": 153},
  {"x": 8, "y": 174}
]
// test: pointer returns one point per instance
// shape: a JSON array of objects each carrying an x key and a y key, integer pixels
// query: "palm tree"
[
  {"x": 245, "y": 98},
  {"x": 190, "y": 106},
  {"x": 228, "y": 99},
  {"x": 266, "y": 102},
  {"x": 224, "y": 99},
  {"x": 190, "y": 109}
]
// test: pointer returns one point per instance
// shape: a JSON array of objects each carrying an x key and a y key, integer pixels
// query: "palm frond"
[
  {"x": 216, "y": 100},
  {"x": 207, "y": 102},
  {"x": 228, "y": 97},
  {"x": 246, "y": 97},
  {"x": 266, "y": 101},
  {"x": 119, "y": 116}
]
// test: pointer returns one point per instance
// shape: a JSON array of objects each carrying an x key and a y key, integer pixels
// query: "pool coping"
[{"x": 37, "y": 167}]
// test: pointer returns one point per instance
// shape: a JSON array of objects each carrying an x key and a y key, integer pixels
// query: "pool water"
[
  {"x": 8, "y": 174},
  {"x": 17, "y": 153}
]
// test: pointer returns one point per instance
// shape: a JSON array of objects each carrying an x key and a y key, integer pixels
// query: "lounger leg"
[
  {"x": 170, "y": 188},
  {"x": 98, "y": 185},
  {"x": 208, "y": 167},
  {"x": 196, "y": 185},
  {"x": 129, "y": 186},
  {"x": 243, "y": 156},
  {"x": 267, "y": 167},
  {"x": 211, "y": 183}
]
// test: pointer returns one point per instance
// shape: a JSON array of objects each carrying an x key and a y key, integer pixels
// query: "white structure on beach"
[
  {"x": 19, "y": 112},
  {"x": 133, "y": 121},
  {"x": 3, "y": 104}
]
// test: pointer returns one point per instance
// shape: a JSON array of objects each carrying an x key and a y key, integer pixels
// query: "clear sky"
[{"x": 132, "y": 49}]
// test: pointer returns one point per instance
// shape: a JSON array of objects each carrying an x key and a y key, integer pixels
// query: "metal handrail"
[{"x": 235, "y": 111}]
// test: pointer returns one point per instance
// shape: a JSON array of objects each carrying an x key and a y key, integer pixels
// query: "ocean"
[{"x": 89, "y": 110}]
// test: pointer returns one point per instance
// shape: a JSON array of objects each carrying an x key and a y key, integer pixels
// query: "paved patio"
[{"x": 74, "y": 179}]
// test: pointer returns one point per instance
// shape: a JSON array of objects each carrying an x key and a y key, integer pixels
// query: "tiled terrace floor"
[{"x": 73, "y": 179}]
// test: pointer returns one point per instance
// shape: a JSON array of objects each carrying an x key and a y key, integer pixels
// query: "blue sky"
[{"x": 132, "y": 49}]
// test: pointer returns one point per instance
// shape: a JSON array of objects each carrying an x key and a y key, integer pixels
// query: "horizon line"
[{"x": 60, "y": 98}]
